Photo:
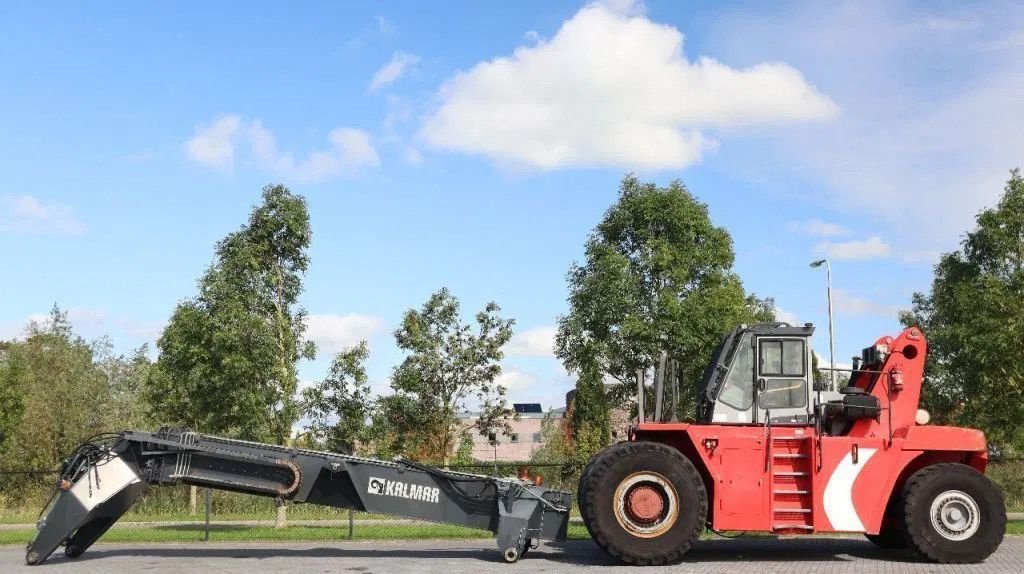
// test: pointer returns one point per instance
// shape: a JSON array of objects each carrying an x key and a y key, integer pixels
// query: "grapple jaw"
[{"x": 98, "y": 484}]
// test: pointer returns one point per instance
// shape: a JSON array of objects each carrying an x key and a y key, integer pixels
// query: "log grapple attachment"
[{"x": 106, "y": 475}]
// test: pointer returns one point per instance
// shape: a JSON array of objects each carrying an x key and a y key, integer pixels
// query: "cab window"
[
  {"x": 782, "y": 365},
  {"x": 782, "y": 358},
  {"x": 738, "y": 390}
]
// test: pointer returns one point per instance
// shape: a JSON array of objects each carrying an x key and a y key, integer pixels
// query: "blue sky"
[{"x": 475, "y": 145}]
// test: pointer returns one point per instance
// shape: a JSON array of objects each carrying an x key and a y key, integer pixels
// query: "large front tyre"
[
  {"x": 644, "y": 503},
  {"x": 953, "y": 514},
  {"x": 581, "y": 491}
]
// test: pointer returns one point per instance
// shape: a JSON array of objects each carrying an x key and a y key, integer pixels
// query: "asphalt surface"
[{"x": 791, "y": 555}]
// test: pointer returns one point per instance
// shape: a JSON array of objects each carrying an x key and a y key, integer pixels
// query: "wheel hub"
[
  {"x": 645, "y": 504},
  {"x": 955, "y": 515}
]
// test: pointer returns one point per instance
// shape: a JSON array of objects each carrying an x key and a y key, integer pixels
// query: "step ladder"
[{"x": 791, "y": 481}]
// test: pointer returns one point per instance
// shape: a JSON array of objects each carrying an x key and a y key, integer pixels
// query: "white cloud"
[
  {"x": 515, "y": 381},
  {"x": 950, "y": 23},
  {"x": 350, "y": 150},
  {"x": 333, "y": 333},
  {"x": 535, "y": 342},
  {"x": 1013, "y": 40},
  {"x": 148, "y": 330},
  {"x": 89, "y": 320},
  {"x": 855, "y": 250},
  {"x": 611, "y": 88},
  {"x": 848, "y": 304},
  {"x": 399, "y": 64},
  {"x": 625, "y": 7},
  {"x": 818, "y": 228},
  {"x": 385, "y": 26},
  {"x": 412, "y": 156},
  {"x": 28, "y": 214},
  {"x": 786, "y": 316},
  {"x": 213, "y": 144},
  {"x": 920, "y": 150},
  {"x": 929, "y": 256}
]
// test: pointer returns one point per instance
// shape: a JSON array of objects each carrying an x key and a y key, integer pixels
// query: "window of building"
[
  {"x": 492, "y": 438},
  {"x": 536, "y": 437},
  {"x": 514, "y": 437}
]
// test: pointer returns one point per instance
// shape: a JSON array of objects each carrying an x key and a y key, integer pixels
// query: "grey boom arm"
[{"x": 105, "y": 476}]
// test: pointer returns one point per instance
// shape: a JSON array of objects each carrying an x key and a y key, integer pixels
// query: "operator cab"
[{"x": 760, "y": 373}]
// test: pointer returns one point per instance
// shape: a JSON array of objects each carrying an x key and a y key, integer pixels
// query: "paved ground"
[{"x": 793, "y": 555}]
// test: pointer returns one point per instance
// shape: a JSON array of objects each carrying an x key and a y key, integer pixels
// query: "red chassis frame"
[{"x": 793, "y": 479}]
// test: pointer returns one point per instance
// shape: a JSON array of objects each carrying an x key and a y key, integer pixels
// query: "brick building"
[
  {"x": 526, "y": 431},
  {"x": 520, "y": 444}
]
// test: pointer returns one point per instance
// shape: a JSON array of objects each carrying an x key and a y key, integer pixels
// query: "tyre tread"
[
  {"x": 914, "y": 493},
  {"x": 601, "y": 464}
]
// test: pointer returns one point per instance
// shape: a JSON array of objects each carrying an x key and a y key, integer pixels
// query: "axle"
[{"x": 105, "y": 476}]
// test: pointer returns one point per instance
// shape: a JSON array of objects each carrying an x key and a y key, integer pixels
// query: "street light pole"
[{"x": 831, "y": 324}]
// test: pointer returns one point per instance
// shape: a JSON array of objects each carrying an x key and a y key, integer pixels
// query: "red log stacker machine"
[{"x": 769, "y": 452}]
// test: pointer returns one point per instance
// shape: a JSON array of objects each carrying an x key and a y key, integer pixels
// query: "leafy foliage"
[
  {"x": 588, "y": 414},
  {"x": 126, "y": 380},
  {"x": 340, "y": 406},
  {"x": 657, "y": 276},
  {"x": 555, "y": 442},
  {"x": 464, "y": 454},
  {"x": 448, "y": 364},
  {"x": 974, "y": 321},
  {"x": 228, "y": 355},
  {"x": 61, "y": 389}
]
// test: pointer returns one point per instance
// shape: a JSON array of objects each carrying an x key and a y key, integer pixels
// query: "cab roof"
[{"x": 781, "y": 329}]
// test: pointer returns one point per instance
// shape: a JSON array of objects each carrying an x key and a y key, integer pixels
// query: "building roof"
[{"x": 557, "y": 413}]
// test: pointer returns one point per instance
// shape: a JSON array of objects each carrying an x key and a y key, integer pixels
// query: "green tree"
[
  {"x": 228, "y": 356},
  {"x": 126, "y": 380},
  {"x": 339, "y": 406},
  {"x": 657, "y": 276},
  {"x": 555, "y": 443},
  {"x": 588, "y": 413},
  {"x": 64, "y": 396},
  {"x": 11, "y": 394},
  {"x": 464, "y": 454},
  {"x": 974, "y": 320},
  {"x": 448, "y": 364}
]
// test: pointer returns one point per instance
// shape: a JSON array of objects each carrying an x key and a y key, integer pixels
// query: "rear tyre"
[
  {"x": 889, "y": 539},
  {"x": 893, "y": 535},
  {"x": 643, "y": 502},
  {"x": 953, "y": 513}
]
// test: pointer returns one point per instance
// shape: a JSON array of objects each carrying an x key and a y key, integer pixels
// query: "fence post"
[
  {"x": 351, "y": 524},
  {"x": 209, "y": 506}
]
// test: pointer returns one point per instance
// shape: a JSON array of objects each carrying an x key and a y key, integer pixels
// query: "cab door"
[{"x": 781, "y": 386}]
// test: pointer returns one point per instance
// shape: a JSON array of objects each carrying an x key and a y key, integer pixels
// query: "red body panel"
[{"x": 790, "y": 479}]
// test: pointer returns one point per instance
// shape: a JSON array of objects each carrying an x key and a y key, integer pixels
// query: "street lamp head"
[{"x": 818, "y": 263}]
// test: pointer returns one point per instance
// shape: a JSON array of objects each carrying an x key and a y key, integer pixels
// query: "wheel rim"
[
  {"x": 646, "y": 504},
  {"x": 955, "y": 515}
]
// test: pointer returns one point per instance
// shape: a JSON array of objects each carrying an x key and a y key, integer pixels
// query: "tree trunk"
[
  {"x": 193, "y": 497},
  {"x": 280, "y": 520}
]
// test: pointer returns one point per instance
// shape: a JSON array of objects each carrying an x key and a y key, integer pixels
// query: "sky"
[{"x": 475, "y": 145}]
